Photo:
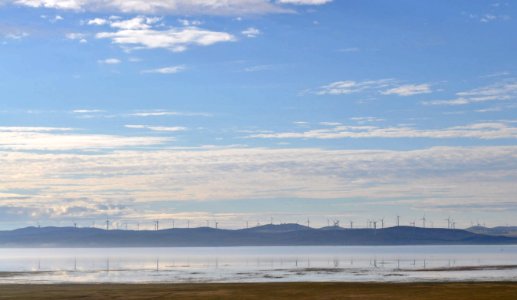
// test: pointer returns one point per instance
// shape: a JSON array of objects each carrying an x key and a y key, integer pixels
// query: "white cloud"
[
  {"x": 304, "y": 2},
  {"x": 161, "y": 113},
  {"x": 16, "y": 35},
  {"x": 251, "y": 32},
  {"x": 110, "y": 61},
  {"x": 87, "y": 111},
  {"x": 61, "y": 139},
  {"x": 505, "y": 90},
  {"x": 179, "y": 7},
  {"x": 361, "y": 120},
  {"x": 167, "y": 70},
  {"x": 76, "y": 36},
  {"x": 351, "y": 86},
  {"x": 260, "y": 68},
  {"x": 434, "y": 176},
  {"x": 33, "y": 129},
  {"x": 135, "y": 23},
  {"x": 98, "y": 22},
  {"x": 157, "y": 128},
  {"x": 380, "y": 86},
  {"x": 409, "y": 90},
  {"x": 174, "y": 39},
  {"x": 494, "y": 130},
  {"x": 188, "y": 23}
]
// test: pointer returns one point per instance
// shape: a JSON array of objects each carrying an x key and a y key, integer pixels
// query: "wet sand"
[{"x": 434, "y": 291}]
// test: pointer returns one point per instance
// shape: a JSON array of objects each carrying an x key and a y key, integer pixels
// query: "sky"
[{"x": 257, "y": 110}]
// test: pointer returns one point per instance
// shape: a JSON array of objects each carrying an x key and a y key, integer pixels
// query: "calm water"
[{"x": 254, "y": 264}]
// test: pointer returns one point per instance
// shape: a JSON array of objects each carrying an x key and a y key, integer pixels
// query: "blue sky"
[{"x": 250, "y": 109}]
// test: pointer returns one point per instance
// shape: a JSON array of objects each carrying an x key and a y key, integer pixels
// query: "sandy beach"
[{"x": 456, "y": 291}]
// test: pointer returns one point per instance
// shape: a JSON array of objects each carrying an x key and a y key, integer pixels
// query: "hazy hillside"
[
  {"x": 267, "y": 235},
  {"x": 510, "y": 231}
]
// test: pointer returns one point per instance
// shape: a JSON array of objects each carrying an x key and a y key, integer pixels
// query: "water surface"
[{"x": 259, "y": 264}]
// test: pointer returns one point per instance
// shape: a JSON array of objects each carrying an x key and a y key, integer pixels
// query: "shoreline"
[{"x": 299, "y": 290}]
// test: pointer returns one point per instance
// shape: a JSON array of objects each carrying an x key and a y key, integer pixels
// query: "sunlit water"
[{"x": 259, "y": 264}]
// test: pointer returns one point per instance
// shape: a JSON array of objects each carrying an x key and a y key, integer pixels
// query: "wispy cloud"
[
  {"x": 167, "y": 70},
  {"x": 379, "y": 87},
  {"x": 351, "y": 86},
  {"x": 77, "y": 36},
  {"x": 87, "y": 111},
  {"x": 63, "y": 139},
  {"x": 107, "y": 183},
  {"x": 110, "y": 61},
  {"x": 259, "y": 68},
  {"x": 160, "y": 113},
  {"x": 16, "y": 35},
  {"x": 251, "y": 32},
  {"x": 408, "y": 90},
  {"x": 494, "y": 130},
  {"x": 305, "y": 2},
  {"x": 157, "y": 128},
  {"x": 505, "y": 90},
  {"x": 179, "y": 7}
]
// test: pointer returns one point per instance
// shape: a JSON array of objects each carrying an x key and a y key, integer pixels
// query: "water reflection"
[{"x": 246, "y": 264}]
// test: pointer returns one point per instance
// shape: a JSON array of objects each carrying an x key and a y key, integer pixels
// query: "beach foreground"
[{"x": 457, "y": 291}]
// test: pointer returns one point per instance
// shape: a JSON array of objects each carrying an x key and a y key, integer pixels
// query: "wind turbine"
[
  {"x": 336, "y": 223},
  {"x": 398, "y": 221},
  {"x": 423, "y": 221},
  {"x": 107, "y": 224},
  {"x": 308, "y": 223},
  {"x": 157, "y": 223},
  {"x": 351, "y": 224},
  {"x": 216, "y": 225},
  {"x": 382, "y": 223},
  {"x": 448, "y": 222}
]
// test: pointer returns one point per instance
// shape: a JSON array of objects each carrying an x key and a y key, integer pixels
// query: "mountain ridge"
[{"x": 266, "y": 235}]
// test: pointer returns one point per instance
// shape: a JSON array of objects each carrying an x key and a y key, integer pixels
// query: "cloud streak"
[
  {"x": 381, "y": 86},
  {"x": 487, "y": 131},
  {"x": 501, "y": 91},
  {"x": 173, "y": 7}
]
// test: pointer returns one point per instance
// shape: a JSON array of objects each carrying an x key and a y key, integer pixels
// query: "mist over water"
[{"x": 259, "y": 264}]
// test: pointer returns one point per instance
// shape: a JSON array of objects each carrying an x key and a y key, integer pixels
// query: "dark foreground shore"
[{"x": 438, "y": 291}]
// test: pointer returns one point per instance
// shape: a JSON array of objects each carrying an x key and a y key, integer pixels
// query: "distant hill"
[
  {"x": 267, "y": 235},
  {"x": 510, "y": 231}
]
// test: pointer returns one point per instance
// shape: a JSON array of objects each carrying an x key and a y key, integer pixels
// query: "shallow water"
[{"x": 259, "y": 264}]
